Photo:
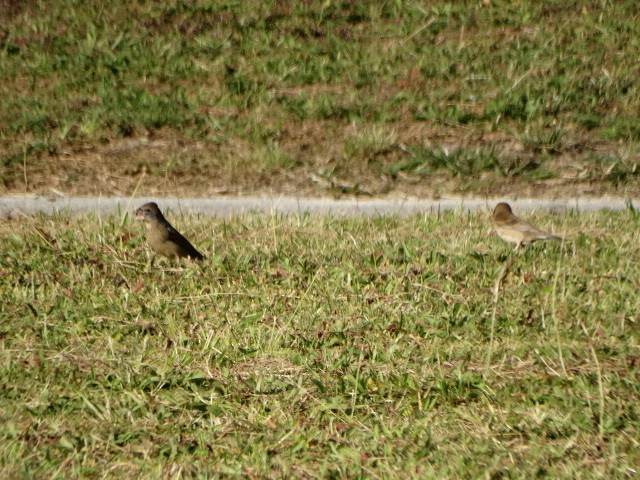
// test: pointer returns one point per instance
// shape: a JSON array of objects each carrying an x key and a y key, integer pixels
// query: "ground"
[
  {"x": 166, "y": 164},
  {"x": 319, "y": 98}
]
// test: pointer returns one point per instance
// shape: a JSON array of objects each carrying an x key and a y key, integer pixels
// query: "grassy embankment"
[{"x": 320, "y": 97}]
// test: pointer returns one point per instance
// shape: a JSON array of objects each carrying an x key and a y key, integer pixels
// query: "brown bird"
[
  {"x": 162, "y": 237},
  {"x": 511, "y": 229}
]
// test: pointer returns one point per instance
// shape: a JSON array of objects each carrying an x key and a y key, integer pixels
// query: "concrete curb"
[{"x": 233, "y": 206}]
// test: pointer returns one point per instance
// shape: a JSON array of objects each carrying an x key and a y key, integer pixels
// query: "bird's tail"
[{"x": 548, "y": 236}]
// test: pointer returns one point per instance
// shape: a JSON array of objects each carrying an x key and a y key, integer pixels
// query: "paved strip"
[{"x": 233, "y": 206}]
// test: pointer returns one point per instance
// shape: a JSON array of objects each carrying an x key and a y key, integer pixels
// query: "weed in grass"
[
  {"x": 616, "y": 169},
  {"x": 274, "y": 159},
  {"x": 369, "y": 142},
  {"x": 544, "y": 140},
  {"x": 459, "y": 162}
]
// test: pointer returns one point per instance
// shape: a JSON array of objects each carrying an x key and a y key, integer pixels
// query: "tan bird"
[
  {"x": 162, "y": 237},
  {"x": 511, "y": 229}
]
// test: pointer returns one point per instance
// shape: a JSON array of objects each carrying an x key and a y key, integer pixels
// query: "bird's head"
[
  {"x": 502, "y": 211},
  {"x": 148, "y": 212}
]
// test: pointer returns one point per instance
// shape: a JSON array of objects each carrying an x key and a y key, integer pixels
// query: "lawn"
[
  {"x": 320, "y": 346},
  {"x": 319, "y": 97},
  {"x": 314, "y": 345}
]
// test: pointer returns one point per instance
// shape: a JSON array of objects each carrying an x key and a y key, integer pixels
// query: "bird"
[
  {"x": 162, "y": 237},
  {"x": 511, "y": 229}
]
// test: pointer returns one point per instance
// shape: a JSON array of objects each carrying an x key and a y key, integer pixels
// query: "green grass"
[
  {"x": 555, "y": 79},
  {"x": 414, "y": 347}
]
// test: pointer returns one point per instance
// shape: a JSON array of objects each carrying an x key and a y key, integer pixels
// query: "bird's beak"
[{"x": 140, "y": 216}]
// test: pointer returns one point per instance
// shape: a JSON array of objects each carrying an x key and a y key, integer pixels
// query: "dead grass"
[{"x": 172, "y": 165}]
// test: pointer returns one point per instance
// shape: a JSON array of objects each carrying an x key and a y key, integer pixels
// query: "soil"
[{"x": 164, "y": 163}]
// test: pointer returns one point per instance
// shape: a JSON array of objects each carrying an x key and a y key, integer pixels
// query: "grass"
[
  {"x": 545, "y": 82},
  {"x": 306, "y": 346}
]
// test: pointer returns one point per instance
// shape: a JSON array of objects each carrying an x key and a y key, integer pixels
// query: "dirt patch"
[{"x": 313, "y": 160}]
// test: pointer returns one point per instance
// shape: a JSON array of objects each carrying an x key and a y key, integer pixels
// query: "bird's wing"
[
  {"x": 533, "y": 232},
  {"x": 525, "y": 227},
  {"x": 178, "y": 238}
]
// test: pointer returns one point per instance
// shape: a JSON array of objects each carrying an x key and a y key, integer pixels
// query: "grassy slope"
[
  {"x": 310, "y": 346},
  {"x": 356, "y": 97}
]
